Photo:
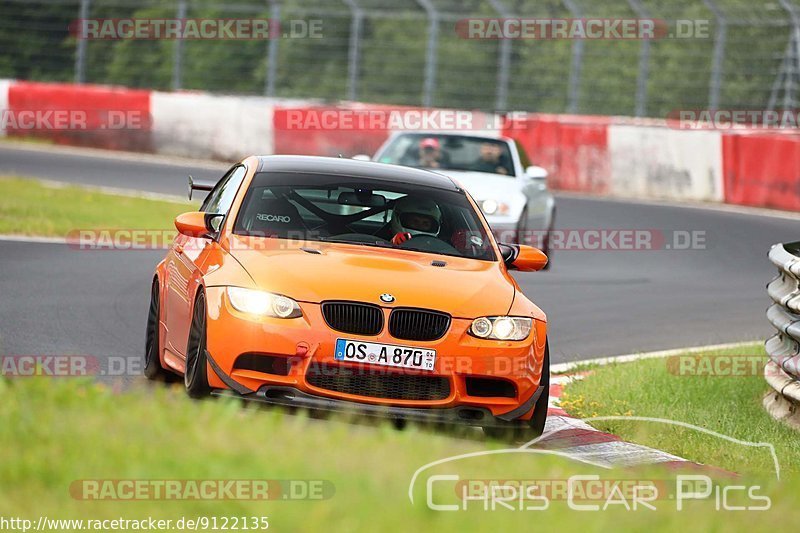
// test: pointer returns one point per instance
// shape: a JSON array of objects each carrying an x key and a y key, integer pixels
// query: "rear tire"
[
  {"x": 195, "y": 376},
  {"x": 152, "y": 347},
  {"x": 536, "y": 423}
]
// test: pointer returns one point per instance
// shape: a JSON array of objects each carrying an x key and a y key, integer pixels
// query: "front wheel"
[
  {"x": 152, "y": 348},
  {"x": 195, "y": 377},
  {"x": 539, "y": 417},
  {"x": 536, "y": 423}
]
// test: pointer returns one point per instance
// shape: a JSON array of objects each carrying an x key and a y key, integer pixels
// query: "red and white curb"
[{"x": 575, "y": 438}]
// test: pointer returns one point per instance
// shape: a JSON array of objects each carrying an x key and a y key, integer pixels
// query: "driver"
[
  {"x": 430, "y": 153},
  {"x": 490, "y": 159},
  {"x": 415, "y": 216}
]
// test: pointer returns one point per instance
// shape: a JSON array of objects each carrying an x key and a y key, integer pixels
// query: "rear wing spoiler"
[{"x": 199, "y": 185}]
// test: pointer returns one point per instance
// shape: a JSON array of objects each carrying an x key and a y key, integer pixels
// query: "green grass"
[
  {"x": 724, "y": 404},
  {"x": 54, "y": 432},
  {"x": 29, "y": 207}
]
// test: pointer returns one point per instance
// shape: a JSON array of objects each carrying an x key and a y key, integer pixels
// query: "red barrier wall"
[
  {"x": 88, "y": 115},
  {"x": 759, "y": 168},
  {"x": 762, "y": 169},
  {"x": 573, "y": 149}
]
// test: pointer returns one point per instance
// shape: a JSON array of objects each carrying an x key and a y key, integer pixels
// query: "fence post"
[
  {"x": 789, "y": 73},
  {"x": 430, "y": 53},
  {"x": 272, "y": 47},
  {"x": 80, "y": 46},
  {"x": 644, "y": 63},
  {"x": 718, "y": 54},
  {"x": 576, "y": 63},
  {"x": 503, "y": 60},
  {"x": 354, "y": 49},
  {"x": 177, "y": 50}
]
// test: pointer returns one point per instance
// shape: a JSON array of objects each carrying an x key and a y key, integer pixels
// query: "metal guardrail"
[{"x": 783, "y": 348}]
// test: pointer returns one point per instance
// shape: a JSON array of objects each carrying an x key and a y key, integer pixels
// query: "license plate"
[{"x": 384, "y": 354}]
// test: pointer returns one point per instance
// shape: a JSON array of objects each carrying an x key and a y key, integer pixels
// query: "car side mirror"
[
  {"x": 536, "y": 173},
  {"x": 362, "y": 157},
  {"x": 522, "y": 257},
  {"x": 198, "y": 224}
]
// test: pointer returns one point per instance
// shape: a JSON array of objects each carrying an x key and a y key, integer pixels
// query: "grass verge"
[
  {"x": 56, "y": 432},
  {"x": 30, "y": 207},
  {"x": 718, "y": 390}
]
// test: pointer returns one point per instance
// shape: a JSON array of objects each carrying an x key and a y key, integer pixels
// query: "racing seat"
[{"x": 275, "y": 217}]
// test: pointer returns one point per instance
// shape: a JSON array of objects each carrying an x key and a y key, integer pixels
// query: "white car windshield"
[{"x": 449, "y": 152}]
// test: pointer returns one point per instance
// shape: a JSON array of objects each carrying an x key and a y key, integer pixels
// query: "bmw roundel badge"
[{"x": 387, "y": 298}]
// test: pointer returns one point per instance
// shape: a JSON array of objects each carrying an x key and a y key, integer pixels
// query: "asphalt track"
[{"x": 56, "y": 300}]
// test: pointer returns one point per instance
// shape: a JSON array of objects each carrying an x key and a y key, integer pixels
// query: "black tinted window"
[
  {"x": 317, "y": 207},
  {"x": 221, "y": 197}
]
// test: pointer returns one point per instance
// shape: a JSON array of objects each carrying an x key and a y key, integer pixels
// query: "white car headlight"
[
  {"x": 502, "y": 328},
  {"x": 263, "y": 303},
  {"x": 493, "y": 207}
]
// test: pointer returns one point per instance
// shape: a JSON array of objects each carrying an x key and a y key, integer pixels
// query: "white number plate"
[{"x": 384, "y": 354}]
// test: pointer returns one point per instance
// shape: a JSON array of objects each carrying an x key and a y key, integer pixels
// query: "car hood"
[
  {"x": 482, "y": 185},
  {"x": 464, "y": 288}
]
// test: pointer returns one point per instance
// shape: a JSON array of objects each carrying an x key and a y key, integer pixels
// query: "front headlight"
[
  {"x": 493, "y": 207},
  {"x": 502, "y": 328},
  {"x": 263, "y": 303}
]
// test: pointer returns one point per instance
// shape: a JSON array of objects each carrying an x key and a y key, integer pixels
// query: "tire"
[
  {"x": 546, "y": 247},
  {"x": 195, "y": 377},
  {"x": 535, "y": 426},
  {"x": 152, "y": 348},
  {"x": 539, "y": 417},
  {"x": 522, "y": 227}
]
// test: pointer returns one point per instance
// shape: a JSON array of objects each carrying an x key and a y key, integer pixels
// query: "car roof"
[
  {"x": 438, "y": 133},
  {"x": 355, "y": 169}
]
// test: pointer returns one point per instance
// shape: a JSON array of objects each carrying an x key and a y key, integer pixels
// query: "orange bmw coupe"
[{"x": 334, "y": 284}]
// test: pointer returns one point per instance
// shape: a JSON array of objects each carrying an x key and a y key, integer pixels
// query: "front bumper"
[
  {"x": 472, "y": 416},
  {"x": 307, "y": 343}
]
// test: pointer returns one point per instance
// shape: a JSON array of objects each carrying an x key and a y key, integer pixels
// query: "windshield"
[
  {"x": 318, "y": 207},
  {"x": 449, "y": 152}
]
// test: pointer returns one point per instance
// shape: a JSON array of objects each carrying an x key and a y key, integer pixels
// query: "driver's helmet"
[
  {"x": 417, "y": 216},
  {"x": 429, "y": 143}
]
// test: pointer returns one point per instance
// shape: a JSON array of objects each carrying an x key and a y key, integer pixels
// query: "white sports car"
[{"x": 495, "y": 170}]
